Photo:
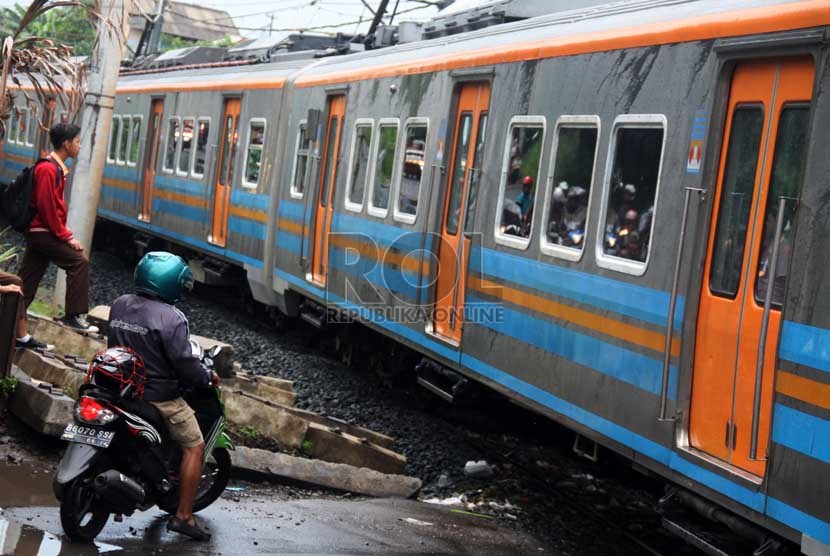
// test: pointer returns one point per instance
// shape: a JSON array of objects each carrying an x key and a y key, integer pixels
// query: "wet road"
[{"x": 260, "y": 524}]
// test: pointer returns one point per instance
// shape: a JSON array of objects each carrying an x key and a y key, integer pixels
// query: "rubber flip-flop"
[{"x": 193, "y": 531}]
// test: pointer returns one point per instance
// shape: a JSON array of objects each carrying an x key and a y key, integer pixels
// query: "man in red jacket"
[{"x": 48, "y": 239}]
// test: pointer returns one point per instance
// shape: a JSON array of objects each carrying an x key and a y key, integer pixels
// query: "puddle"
[
  {"x": 17, "y": 539},
  {"x": 24, "y": 485}
]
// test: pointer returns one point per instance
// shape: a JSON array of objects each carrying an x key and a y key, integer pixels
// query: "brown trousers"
[{"x": 43, "y": 248}]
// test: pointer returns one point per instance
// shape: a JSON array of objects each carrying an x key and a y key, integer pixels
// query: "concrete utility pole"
[{"x": 96, "y": 122}]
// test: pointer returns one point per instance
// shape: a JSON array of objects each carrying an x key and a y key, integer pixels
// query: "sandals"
[{"x": 195, "y": 531}]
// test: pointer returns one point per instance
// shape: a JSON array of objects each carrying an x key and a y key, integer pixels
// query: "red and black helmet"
[{"x": 118, "y": 369}]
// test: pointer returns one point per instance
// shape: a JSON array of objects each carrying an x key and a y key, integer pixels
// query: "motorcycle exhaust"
[{"x": 118, "y": 489}]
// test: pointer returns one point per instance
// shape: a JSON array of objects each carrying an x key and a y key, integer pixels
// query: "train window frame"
[
  {"x": 193, "y": 173},
  {"x": 164, "y": 167},
  {"x": 14, "y": 125},
  {"x": 347, "y": 203},
  {"x": 292, "y": 191},
  {"x": 373, "y": 210},
  {"x": 140, "y": 120},
  {"x": 505, "y": 239},
  {"x": 115, "y": 134},
  {"x": 186, "y": 172},
  {"x": 569, "y": 121},
  {"x": 245, "y": 183},
  {"x": 397, "y": 215},
  {"x": 636, "y": 121}
]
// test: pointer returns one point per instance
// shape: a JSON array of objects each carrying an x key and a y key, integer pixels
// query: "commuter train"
[{"x": 582, "y": 211}]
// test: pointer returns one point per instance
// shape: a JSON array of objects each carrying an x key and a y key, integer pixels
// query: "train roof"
[
  {"x": 611, "y": 26},
  {"x": 617, "y": 25}
]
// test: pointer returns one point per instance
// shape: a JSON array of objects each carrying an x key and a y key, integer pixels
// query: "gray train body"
[{"x": 578, "y": 334}]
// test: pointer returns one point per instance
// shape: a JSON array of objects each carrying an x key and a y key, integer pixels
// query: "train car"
[{"x": 582, "y": 211}]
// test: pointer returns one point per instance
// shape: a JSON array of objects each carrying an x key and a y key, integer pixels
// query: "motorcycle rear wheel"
[{"x": 80, "y": 520}]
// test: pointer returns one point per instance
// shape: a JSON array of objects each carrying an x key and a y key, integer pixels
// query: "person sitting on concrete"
[
  {"x": 13, "y": 285},
  {"x": 48, "y": 239}
]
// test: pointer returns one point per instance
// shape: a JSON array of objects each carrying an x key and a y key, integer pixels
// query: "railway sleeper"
[{"x": 691, "y": 517}]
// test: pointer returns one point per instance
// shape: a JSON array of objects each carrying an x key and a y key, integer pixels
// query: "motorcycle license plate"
[{"x": 88, "y": 435}]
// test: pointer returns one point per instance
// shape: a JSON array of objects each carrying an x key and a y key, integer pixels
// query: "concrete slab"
[
  {"x": 257, "y": 525},
  {"x": 261, "y": 390},
  {"x": 338, "y": 476},
  {"x": 43, "y": 407},
  {"x": 99, "y": 316},
  {"x": 51, "y": 370},
  {"x": 330, "y": 445},
  {"x": 273, "y": 422},
  {"x": 358, "y": 432},
  {"x": 65, "y": 340}
]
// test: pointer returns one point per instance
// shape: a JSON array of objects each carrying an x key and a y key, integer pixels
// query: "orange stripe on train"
[
  {"x": 586, "y": 319},
  {"x": 804, "y": 389}
]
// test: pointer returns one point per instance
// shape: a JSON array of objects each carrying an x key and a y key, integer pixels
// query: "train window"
[
  {"x": 135, "y": 137},
  {"x": 411, "y": 171},
  {"x": 630, "y": 195},
  {"x": 34, "y": 126},
  {"x": 459, "y": 166},
  {"x": 253, "y": 154},
  {"x": 124, "y": 140},
  {"x": 384, "y": 166},
  {"x": 187, "y": 146},
  {"x": 172, "y": 144},
  {"x": 115, "y": 132},
  {"x": 359, "y": 167},
  {"x": 14, "y": 121},
  {"x": 569, "y": 189},
  {"x": 301, "y": 161},
  {"x": 785, "y": 181},
  {"x": 520, "y": 175},
  {"x": 199, "y": 157},
  {"x": 22, "y": 125}
]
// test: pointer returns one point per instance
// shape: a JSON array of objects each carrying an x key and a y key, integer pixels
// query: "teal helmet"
[{"x": 163, "y": 275}]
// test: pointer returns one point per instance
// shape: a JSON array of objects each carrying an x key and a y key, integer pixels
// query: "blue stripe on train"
[
  {"x": 400, "y": 283},
  {"x": 19, "y": 150},
  {"x": 179, "y": 185},
  {"x": 802, "y": 432},
  {"x": 164, "y": 232},
  {"x": 245, "y": 227},
  {"x": 629, "y": 366},
  {"x": 292, "y": 210},
  {"x": 640, "y": 302},
  {"x": 805, "y": 345},
  {"x": 792, "y": 517},
  {"x": 179, "y": 210},
  {"x": 380, "y": 234},
  {"x": 117, "y": 194},
  {"x": 126, "y": 173},
  {"x": 250, "y": 200}
]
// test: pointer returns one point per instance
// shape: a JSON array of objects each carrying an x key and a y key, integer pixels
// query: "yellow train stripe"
[
  {"x": 180, "y": 198},
  {"x": 249, "y": 214},
  {"x": 580, "y": 317},
  {"x": 804, "y": 389},
  {"x": 18, "y": 158},
  {"x": 120, "y": 184}
]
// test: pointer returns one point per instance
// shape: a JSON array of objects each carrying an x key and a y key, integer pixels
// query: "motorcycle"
[{"x": 120, "y": 458}]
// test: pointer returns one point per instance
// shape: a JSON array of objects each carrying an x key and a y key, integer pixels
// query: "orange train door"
[
  {"x": 453, "y": 251},
  {"x": 761, "y": 163},
  {"x": 325, "y": 195},
  {"x": 224, "y": 174},
  {"x": 151, "y": 160}
]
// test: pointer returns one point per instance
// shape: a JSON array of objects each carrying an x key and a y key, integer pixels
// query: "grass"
[
  {"x": 43, "y": 309},
  {"x": 8, "y": 385}
]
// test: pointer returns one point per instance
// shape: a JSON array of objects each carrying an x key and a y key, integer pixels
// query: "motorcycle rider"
[{"x": 148, "y": 323}]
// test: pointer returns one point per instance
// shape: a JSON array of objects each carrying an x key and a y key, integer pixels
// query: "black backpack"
[{"x": 16, "y": 198}]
